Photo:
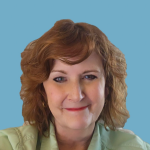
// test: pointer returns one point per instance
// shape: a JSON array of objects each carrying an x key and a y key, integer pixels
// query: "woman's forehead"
[{"x": 92, "y": 62}]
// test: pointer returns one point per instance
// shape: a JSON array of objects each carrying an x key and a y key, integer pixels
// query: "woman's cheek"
[{"x": 55, "y": 95}]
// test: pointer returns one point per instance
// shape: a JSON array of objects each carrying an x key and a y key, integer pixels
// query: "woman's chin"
[{"x": 78, "y": 123}]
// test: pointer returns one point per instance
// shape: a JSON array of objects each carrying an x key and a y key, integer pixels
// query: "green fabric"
[{"x": 26, "y": 138}]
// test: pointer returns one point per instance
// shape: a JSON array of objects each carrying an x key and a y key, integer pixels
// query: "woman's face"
[{"x": 75, "y": 89}]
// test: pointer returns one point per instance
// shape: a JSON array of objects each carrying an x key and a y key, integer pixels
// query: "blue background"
[{"x": 126, "y": 24}]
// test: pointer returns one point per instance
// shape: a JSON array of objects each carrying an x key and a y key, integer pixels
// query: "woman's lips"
[{"x": 76, "y": 109}]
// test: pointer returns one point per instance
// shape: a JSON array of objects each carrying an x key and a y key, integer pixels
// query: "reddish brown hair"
[{"x": 65, "y": 40}]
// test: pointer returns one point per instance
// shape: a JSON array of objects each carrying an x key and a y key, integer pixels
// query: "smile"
[{"x": 76, "y": 109}]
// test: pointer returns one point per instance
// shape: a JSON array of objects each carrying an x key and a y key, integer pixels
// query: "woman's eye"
[
  {"x": 92, "y": 77},
  {"x": 58, "y": 79}
]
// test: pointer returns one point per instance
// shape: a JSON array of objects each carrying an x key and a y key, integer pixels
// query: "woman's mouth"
[{"x": 76, "y": 109}]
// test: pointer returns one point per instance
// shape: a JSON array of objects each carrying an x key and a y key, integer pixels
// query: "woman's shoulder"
[
  {"x": 121, "y": 139},
  {"x": 18, "y": 137}
]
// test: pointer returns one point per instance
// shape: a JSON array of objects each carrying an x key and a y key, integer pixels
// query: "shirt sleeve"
[
  {"x": 147, "y": 146},
  {"x": 4, "y": 142}
]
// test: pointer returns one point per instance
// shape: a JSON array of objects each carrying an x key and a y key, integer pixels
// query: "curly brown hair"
[{"x": 67, "y": 39}]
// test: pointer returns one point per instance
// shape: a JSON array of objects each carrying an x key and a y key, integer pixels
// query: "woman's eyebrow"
[{"x": 86, "y": 71}]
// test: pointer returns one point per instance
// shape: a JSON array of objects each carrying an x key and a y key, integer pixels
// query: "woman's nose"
[{"x": 75, "y": 92}]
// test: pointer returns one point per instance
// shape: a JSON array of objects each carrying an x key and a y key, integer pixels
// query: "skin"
[{"x": 74, "y": 129}]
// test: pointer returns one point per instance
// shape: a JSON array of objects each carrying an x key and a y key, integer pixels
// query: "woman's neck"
[{"x": 75, "y": 139}]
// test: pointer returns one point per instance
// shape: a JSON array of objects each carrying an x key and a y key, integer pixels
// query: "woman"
[{"x": 73, "y": 92}]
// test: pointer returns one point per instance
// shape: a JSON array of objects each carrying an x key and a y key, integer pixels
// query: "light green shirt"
[{"x": 26, "y": 138}]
